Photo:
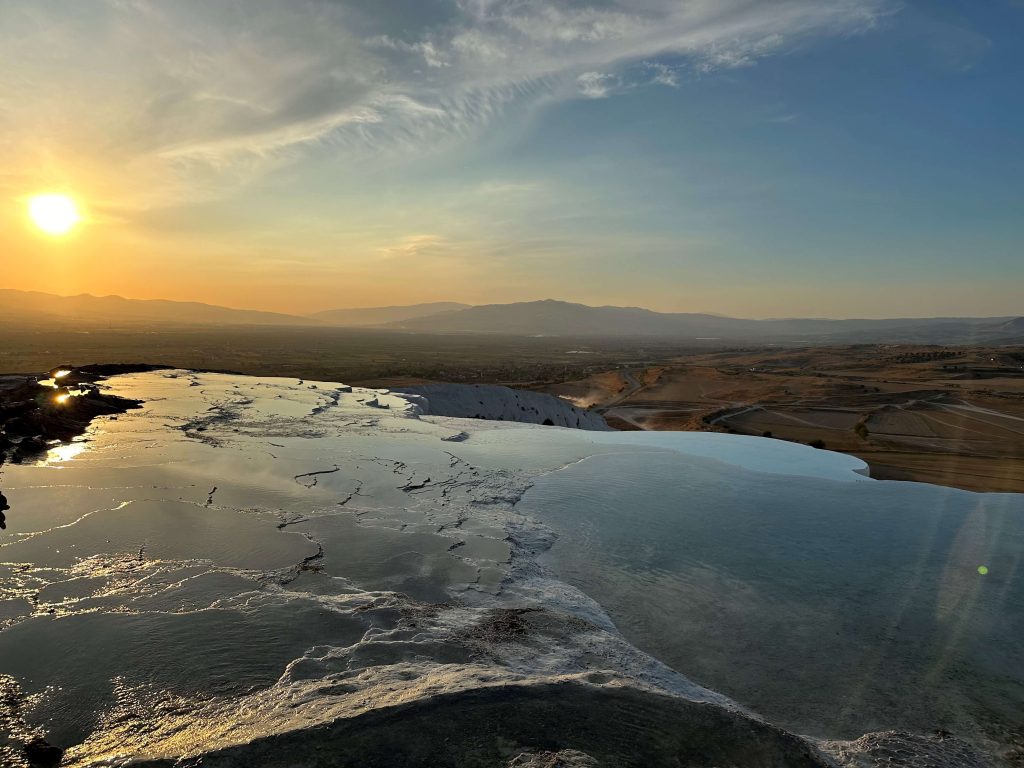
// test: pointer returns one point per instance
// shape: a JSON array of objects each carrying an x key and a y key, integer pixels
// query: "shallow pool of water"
[{"x": 828, "y": 607}]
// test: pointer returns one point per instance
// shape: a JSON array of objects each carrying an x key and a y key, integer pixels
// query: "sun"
[{"x": 53, "y": 214}]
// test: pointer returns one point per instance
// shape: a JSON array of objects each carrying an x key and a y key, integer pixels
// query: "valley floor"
[{"x": 946, "y": 415}]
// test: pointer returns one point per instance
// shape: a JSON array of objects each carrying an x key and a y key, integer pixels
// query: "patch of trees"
[{"x": 924, "y": 357}]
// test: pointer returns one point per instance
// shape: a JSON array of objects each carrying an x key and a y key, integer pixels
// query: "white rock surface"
[{"x": 494, "y": 403}]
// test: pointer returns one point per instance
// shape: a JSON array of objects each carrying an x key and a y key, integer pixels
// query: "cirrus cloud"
[{"x": 194, "y": 98}]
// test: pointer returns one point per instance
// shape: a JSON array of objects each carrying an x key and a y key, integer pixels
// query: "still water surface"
[{"x": 830, "y": 608}]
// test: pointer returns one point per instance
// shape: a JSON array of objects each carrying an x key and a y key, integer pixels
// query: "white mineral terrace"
[{"x": 246, "y": 557}]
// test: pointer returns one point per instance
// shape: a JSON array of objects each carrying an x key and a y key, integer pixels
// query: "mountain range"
[
  {"x": 33, "y": 307},
  {"x": 534, "y": 318},
  {"x": 549, "y": 317}
]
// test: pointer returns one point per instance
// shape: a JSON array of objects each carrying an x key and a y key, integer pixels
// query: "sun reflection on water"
[
  {"x": 64, "y": 452},
  {"x": 51, "y": 382},
  {"x": 63, "y": 397}
]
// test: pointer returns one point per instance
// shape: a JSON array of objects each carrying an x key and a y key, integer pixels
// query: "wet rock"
[
  {"x": 29, "y": 448},
  {"x": 42, "y": 754},
  {"x": 897, "y": 748},
  {"x": 566, "y": 758},
  {"x": 19, "y": 426},
  {"x": 564, "y": 724}
]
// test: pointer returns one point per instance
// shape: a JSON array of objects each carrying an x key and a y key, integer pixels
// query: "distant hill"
[
  {"x": 34, "y": 307},
  {"x": 1012, "y": 327},
  {"x": 383, "y": 315},
  {"x": 532, "y": 318},
  {"x": 560, "y": 318}
]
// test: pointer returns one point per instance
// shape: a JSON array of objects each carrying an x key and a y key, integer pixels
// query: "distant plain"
[
  {"x": 947, "y": 415},
  {"x": 952, "y": 415}
]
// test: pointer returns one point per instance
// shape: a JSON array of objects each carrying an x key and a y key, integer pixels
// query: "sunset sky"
[{"x": 782, "y": 158}]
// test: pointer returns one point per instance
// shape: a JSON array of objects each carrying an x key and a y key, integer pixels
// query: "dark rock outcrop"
[{"x": 42, "y": 754}]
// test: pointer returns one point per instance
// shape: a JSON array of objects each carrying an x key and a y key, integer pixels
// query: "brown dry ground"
[{"x": 947, "y": 415}]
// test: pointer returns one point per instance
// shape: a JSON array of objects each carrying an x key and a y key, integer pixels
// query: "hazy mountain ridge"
[
  {"x": 370, "y": 316},
  {"x": 1016, "y": 325},
  {"x": 552, "y": 317},
  {"x": 533, "y": 318},
  {"x": 37, "y": 307},
  {"x": 559, "y": 318}
]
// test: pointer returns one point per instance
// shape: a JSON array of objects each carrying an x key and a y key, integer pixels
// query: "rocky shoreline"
[{"x": 39, "y": 412}]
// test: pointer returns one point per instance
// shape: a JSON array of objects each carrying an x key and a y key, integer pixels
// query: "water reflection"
[
  {"x": 238, "y": 532},
  {"x": 64, "y": 452},
  {"x": 208, "y": 541},
  {"x": 40, "y": 416},
  {"x": 67, "y": 393},
  {"x": 828, "y": 608}
]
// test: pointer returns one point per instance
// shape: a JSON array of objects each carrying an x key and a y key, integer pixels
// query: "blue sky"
[{"x": 796, "y": 157}]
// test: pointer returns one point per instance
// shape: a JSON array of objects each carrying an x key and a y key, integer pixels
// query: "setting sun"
[{"x": 53, "y": 214}]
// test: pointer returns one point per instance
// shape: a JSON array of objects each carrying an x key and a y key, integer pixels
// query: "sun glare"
[{"x": 53, "y": 214}]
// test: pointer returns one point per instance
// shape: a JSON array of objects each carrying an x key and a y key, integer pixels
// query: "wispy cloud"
[
  {"x": 194, "y": 97},
  {"x": 596, "y": 85},
  {"x": 663, "y": 74},
  {"x": 414, "y": 245}
]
